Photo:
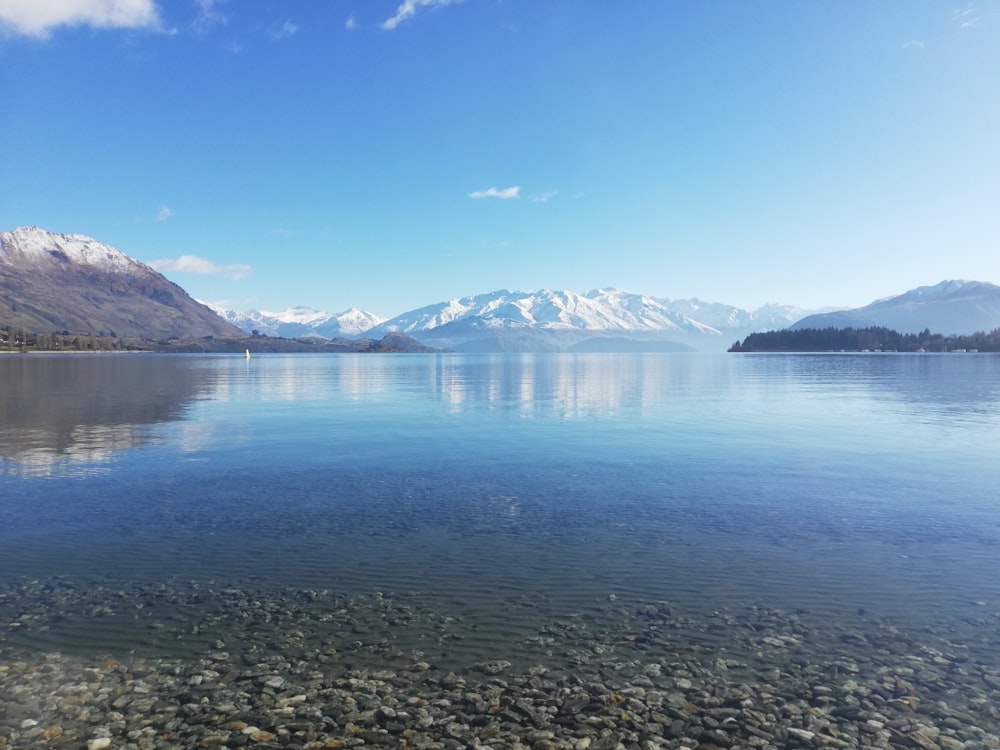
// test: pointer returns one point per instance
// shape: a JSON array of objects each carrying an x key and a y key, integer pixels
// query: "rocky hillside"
[{"x": 57, "y": 282}]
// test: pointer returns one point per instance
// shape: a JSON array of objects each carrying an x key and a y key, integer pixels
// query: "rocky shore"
[{"x": 205, "y": 665}]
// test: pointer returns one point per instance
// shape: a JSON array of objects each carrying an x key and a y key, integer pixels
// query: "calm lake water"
[{"x": 494, "y": 488}]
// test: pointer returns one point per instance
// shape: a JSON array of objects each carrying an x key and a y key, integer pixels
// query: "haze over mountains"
[
  {"x": 950, "y": 307},
  {"x": 53, "y": 282}
]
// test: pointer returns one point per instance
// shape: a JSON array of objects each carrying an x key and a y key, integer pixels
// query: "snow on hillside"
[
  {"x": 598, "y": 310},
  {"x": 74, "y": 283},
  {"x": 551, "y": 314},
  {"x": 351, "y": 322},
  {"x": 950, "y": 307},
  {"x": 949, "y": 289},
  {"x": 298, "y": 322},
  {"x": 727, "y": 317},
  {"x": 38, "y": 246}
]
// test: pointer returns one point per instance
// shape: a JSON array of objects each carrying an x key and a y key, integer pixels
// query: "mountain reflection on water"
[
  {"x": 741, "y": 529},
  {"x": 833, "y": 482},
  {"x": 71, "y": 414}
]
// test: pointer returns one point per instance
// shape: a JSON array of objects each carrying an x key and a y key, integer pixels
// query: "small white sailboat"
[{"x": 248, "y": 354}]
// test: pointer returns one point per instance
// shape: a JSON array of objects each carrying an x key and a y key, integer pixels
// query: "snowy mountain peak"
[
  {"x": 304, "y": 315},
  {"x": 600, "y": 310},
  {"x": 949, "y": 307},
  {"x": 69, "y": 282},
  {"x": 35, "y": 246},
  {"x": 544, "y": 320},
  {"x": 943, "y": 289},
  {"x": 935, "y": 291},
  {"x": 301, "y": 322}
]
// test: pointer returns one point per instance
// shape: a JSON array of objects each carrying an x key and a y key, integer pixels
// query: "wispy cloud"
[
  {"x": 918, "y": 43},
  {"x": 38, "y": 18},
  {"x": 351, "y": 23},
  {"x": 202, "y": 266},
  {"x": 284, "y": 31},
  {"x": 209, "y": 16},
  {"x": 164, "y": 213},
  {"x": 284, "y": 234},
  {"x": 968, "y": 18},
  {"x": 505, "y": 194},
  {"x": 408, "y": 9},
  {"x": 543, "y": 197}
]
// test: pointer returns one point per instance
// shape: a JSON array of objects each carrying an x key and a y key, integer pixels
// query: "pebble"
[{"x": 317, "y": 670}]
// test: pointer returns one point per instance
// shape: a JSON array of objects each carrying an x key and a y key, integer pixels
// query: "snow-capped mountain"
[
  {"x": 602, "y": 319},
  {"x": 730, "y": 319},
  {"x": 545, "y": 320},
  {"x": 51, "y": 281},
  {"x": 598, "y": 310},
  {"x": 31, "y": 247},
  {"x": 301, "y": 322},
  {"x": 55, "y": 282},
  {"x": 950, "y": 307}
]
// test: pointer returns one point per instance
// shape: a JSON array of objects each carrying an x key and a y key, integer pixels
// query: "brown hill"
[{"x": 56, "y": 282}]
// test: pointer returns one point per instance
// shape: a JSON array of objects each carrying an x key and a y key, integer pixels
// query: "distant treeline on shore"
[
  {"x": 14, "y": 339},
  {"x": 870, "y": 339}
]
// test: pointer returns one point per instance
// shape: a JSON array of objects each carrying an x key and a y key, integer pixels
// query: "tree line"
[
  {"x": 874, "y": 338},
  {"x": 15, "y": 338}
]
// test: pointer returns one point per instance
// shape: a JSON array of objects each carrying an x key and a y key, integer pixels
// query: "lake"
[{"x": 660, "y": 524}]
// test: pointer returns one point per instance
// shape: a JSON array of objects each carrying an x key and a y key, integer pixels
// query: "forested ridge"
[{"x": 874, "y": 338}]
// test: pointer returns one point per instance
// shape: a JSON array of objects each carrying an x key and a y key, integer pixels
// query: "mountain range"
[
  {"x": 301, "y": 322},
  {"x": 612, "y": 320},
  {"x": 54, "y": 282},
  {"x": 545, "y": 320}
]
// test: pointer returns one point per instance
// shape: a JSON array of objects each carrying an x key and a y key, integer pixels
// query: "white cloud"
[
  {"x": 203, "y": 266},
  {"x": 351, "y": 24},
  {"x": 39, "y": 17},
  {"x": 505, "y": 194},
  {"x": 164, "y": 213},
  {"x": 286, "y": 30},
  {"x": 543, "y": 197},
  {"x": 408, "y": 8},
  {"x": 919, "y": 43}
]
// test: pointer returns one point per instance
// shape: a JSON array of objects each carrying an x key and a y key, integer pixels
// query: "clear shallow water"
[{"x": 843, "y": 485}]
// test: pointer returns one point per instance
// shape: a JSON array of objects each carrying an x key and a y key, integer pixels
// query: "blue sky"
[{"x": 386, "y": 155}]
